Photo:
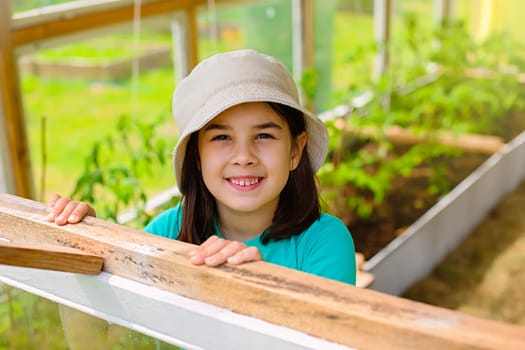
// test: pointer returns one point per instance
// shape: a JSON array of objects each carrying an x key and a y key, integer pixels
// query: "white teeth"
[{"x": 244, "y": 182}]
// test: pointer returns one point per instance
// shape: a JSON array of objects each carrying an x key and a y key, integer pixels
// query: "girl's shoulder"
[
  {"x": 327, "y": 230},
  {"x": 167, "y": 223},
  {"x": 330, "y": 222},
  {"x": 327, "y": 249}
]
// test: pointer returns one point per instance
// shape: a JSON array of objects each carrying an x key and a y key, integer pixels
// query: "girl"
[{"x": 245, "y": 164}]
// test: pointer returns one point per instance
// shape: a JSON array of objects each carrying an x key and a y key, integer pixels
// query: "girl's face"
[{"x": 246, "y": 154}]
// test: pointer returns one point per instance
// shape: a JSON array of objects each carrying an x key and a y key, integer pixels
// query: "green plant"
[
  {"x": 362, "y": 166},
  {"x": 472, "y": 91},
  {"x": 113, "y": 172},
  {"x": 28, "y": 322}
]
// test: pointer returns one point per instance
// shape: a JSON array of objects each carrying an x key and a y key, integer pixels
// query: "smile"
[{"x": 245, "y": 182}]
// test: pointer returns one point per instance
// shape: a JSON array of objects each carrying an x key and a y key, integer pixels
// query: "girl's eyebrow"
[
  {"x": 217, "y": 126},
  {"x": 268, "y": 125}
]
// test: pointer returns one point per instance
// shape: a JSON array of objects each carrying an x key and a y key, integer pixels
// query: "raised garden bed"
[
  {"x": 411, "y": 255},
  {"x": 115, "y": 69}
]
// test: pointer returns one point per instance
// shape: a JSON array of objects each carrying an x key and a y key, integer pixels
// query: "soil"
[
  {"x": 485, "y": 275},
  {"x": 409, "y": 197},
  {"x": 407, "y": 201}
]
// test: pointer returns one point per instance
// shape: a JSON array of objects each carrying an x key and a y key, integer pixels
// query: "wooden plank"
[
  {"x": 96, "y": 18},
  {"x": 485, "y": 144},
  {"x": 323, "y": 308},
  {"x": 49, "y": 257},
  {"x": 12, "y": 107},
  {"x": 193, "y": 37}
]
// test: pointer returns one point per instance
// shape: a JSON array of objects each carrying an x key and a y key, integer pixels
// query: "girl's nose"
[{"x": 243, "y": 154}]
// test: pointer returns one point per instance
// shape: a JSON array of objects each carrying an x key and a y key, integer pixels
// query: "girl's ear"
[{"x": 297, "y": 150}]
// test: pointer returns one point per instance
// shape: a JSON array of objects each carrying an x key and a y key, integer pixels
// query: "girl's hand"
[
  {"x": 216, "y": 251},
  {"x": 63, "y": 210}
]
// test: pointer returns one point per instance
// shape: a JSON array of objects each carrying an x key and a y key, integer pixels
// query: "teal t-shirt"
[{"x": 325, "y": 249}]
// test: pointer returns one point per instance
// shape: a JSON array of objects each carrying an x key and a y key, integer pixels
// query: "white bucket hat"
[{"x": 228, "y": 79}]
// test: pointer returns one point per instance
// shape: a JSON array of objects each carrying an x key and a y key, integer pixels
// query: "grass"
[
  {"x": 102, "y": 50},
  {"x": 80, "y": 112}
]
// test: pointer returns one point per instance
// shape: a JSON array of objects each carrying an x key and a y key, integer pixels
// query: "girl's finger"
[
  {"x": 66, "y": 210},
  {"x": 52, "y": 201},
  {"x": 247, "y": 254},
  {"x": 51, "y": 207},
  {"x": 221, "y": 256},
  {"x": 80, "y": 211},
  {"x": 55, "y": 208},
  {"x": 212, "y": 240},
  {"x": 210, "y": 246},
  {"x": 60, "y": 205}
]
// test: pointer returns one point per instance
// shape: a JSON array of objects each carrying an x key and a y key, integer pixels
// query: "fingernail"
[
  {"x": 193, "y": 253},
  {"x": 73, "y": 218},
  {"x": 61, "y": 218},
  {"x": 233, "y": 260}
]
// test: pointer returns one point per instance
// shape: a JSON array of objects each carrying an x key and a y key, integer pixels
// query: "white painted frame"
[
  {"x": 180, "y": 46},
  {"x": 160, "y": 314},
  {"x": 382, "y": 23},
  {"x": 427, "y": 241},
  {"x": 298, "y": 47},
  {"x": 443, "y": 9}
]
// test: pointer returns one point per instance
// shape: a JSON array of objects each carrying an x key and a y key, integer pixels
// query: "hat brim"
[{"x": 253, "y": 91}]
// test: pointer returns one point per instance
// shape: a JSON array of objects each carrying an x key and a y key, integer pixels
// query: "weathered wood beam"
[
  {"x": 323, "y": 308},
  {"x": 96, "y": 18},
  {"x": 49, "y": 257},
  {"x": 485, "y": 144},
  {"x": 13, "y": 111},
  {"x": 193, "y": 37}
]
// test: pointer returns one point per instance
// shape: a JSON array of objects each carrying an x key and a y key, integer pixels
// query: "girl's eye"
[
  {"x": 220, "y": 138},
  {"x": 265, "y": 136}
]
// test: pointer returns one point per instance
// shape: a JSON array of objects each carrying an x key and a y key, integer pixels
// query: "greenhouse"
[{"x": 411, "y": 114}]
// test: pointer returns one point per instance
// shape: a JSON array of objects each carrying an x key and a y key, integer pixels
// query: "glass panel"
[
  {"x": 267, "y": 27},
  {"x": 412, "y": 24},
  {"x": 493, "y": 17},
  {"x": 324, "y": 54},
  {"x": 352, "y": 49},
  {"x": 98, "y": 111},
  {"x": 263, "y": 26},
  {"x": 28, "y": 321}
]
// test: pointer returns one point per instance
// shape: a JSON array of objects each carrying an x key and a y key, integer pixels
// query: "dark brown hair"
[{"x": 298, "y": 204}]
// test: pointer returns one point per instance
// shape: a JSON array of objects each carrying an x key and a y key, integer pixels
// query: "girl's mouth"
[{"x": 245, "y": 182}]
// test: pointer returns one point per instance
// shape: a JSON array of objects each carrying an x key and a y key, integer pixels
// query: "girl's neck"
[{"x": 242, "y": 227}]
